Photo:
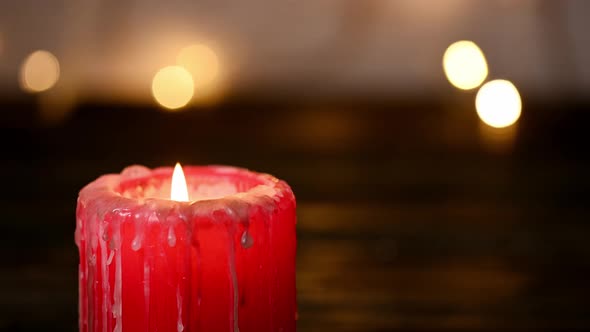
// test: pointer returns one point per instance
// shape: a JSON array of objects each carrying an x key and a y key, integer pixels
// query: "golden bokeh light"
[
  {"x": 498, "y": 103},
  {"x": 173, "y": 87},
  {"x": 465, "y": 65},
  {"x": 39, "y": 71},
  {"x": 202, "y": 62}
]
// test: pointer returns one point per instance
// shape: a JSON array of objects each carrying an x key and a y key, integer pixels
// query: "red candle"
[{"x": 222, "y": 261}]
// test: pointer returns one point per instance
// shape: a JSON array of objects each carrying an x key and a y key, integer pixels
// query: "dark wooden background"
[{"x": 410, "y": 216}]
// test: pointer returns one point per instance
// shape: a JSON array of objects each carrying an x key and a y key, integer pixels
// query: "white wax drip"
[
  {"x": 117, "y": 296},
  {"x": 87, "y": 283},
  {"x": 110, "y": 258},
  {"x": 104, "y": 266},
  {"x": 179, "y": 325},
  {"x": 82, "y": 306},
  {"x": 136, "y": 243},
  {"x": 171, "y": 237}
]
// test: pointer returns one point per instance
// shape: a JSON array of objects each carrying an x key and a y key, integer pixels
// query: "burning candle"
[{"x": 214, "y": 252}]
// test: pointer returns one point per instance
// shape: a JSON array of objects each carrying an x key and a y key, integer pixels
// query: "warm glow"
[
  {"x": 202, "y": 62},
  {"x": 173, "y": 87},
  {"x": 498, "y": 103},
  {"x": 57, "y": 104},
  {"x": 39, "y": 72},
  {"x": 178, "y": 189},
  {"x": 465, "y": 65}
]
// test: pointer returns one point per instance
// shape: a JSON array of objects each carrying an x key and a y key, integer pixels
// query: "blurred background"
[{"x": 438, "y": 149}]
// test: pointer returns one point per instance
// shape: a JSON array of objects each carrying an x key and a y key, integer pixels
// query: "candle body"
[{"x": 221, "y": 264}]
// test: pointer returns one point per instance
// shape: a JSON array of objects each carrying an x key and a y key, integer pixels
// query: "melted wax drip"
[
  {"x": 171, "y": 237},
  {"x": 105, "y": 278},
  {"x": 234, "y": 279},
  {"x": 179, "y": 325},
  {"x": 246, "y": 240},
  {"x": 117, "y": 296}
]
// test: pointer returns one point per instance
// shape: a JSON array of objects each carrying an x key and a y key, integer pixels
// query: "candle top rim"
[{"x": 105, "y": 195}]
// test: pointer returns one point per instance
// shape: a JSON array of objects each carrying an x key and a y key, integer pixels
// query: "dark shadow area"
[{"x": 409, "y": 217}]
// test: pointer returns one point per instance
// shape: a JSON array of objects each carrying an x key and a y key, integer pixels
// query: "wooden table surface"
[{"x": 409, "y": 218}]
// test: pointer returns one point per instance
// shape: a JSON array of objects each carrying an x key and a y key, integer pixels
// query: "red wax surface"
[{"x": 225, "y": 262}]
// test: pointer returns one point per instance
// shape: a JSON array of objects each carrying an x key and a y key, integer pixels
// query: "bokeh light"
[
  {"x": 173, "y": 87},
  {"x": 201, "y": 61},
  {"x": 39, "y": 71},
  {"x": 465, "y": 65},
  {"x": 498, "y": 103}
]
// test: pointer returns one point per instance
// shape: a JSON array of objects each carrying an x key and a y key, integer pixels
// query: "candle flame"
[{"x": 178, "y": 190}]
